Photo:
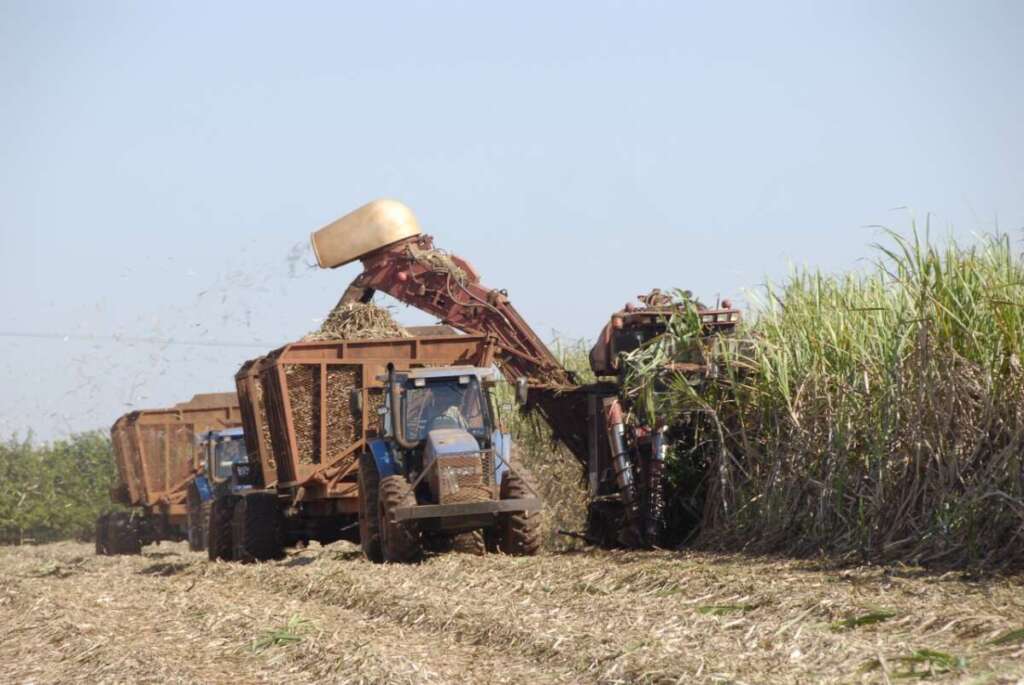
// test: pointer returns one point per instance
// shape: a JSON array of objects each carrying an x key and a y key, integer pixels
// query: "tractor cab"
[
  {"x": 440, "y": 469},
  {"x": 445, "y": 399},
  {"x": 443, "y": 415},
  {"x": 224, "y": 461},
  {"x": 222, "y": 450}
]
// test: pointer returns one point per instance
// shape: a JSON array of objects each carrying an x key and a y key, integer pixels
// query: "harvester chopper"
[{"x": 622, "y": 454}]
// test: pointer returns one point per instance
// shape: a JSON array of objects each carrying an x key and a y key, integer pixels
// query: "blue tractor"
[
  {"x": 439, "y": 474},
  {"x": 225, "y": 470}
]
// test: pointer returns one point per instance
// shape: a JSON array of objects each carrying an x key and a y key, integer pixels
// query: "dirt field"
[{"x": 325, "y": 614}]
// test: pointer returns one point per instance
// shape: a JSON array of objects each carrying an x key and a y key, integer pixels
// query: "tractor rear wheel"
[
  {"x": 518, "y": 531},
  {"x": 197, "y": 522},
  {"x": 257, "y": 528},
  {"x": 400, "y": 542},
  {"x": 219, "y": 544},
  {"x": 122, "y": 534},
  {"x": 101, "y": 534},
  {"x": 369, "y": 514}
]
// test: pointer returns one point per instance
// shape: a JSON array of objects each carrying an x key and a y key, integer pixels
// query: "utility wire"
[{"x": 134, "y": 339}]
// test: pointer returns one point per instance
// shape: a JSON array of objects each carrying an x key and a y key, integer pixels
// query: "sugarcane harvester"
[
  {"x": 632, "y": 509},
  {"x": 622, "y": 461}
]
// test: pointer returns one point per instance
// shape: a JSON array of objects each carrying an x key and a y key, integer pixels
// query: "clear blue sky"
[{"x": 163, "y": 163}]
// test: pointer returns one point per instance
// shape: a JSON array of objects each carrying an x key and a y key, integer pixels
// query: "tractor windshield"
[
  {"x": 227, "y": 451},
  {"x": 445, "y": 403}
]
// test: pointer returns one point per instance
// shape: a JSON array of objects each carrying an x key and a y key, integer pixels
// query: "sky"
[{"x": 162, "y": 164}]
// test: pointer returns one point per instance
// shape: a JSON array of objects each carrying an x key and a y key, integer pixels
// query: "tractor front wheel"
[
  {"x": 198, "y": 517},
  {"x": 400, "y": 542},
  {"x": 220, "y": 542},
  {"x": 369, "y": 514},
  {"x": 257, "y": 528},
  {"x": 518, "y": 531}
]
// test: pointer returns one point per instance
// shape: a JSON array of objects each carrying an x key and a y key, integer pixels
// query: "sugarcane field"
[{"x": 482, "y": 343}]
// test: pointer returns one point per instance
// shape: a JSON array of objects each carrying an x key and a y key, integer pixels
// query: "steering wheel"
[{"x": 444, "y": 421}]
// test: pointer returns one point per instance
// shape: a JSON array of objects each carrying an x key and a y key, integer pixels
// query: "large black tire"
[
  {"x": 220, "y": 545},
  {"x": 198, "y": 520},
  {"x": 518, "y": 531},
  {"x": 101, "y": 534},
  {"x": 257, "y": 528},
  {"x": 369, "y": 514},
  {"x": 399, "y": 542},
  {"x": 122, "y": 534}
]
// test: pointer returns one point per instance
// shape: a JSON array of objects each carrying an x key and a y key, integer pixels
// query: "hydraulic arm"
[{"x": 401, "y": 261}]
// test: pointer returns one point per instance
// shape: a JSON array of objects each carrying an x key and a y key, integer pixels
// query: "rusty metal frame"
[{"x": 254, "y": 412}]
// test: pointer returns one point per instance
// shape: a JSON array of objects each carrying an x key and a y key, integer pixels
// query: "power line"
[{"x": 134, "y": 339}]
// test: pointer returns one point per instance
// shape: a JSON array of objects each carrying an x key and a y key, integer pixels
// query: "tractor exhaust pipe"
[{"x": 397, "y": 426}]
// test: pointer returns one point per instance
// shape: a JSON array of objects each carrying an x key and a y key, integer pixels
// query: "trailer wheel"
[
  {"x": 219, "y": 545},
  {"x": 198, "y": 518},
  {"x": 369, "y": 514},
  {"x": 518, "y": 531},
  {"x": 101, "y": 534},
  {"x": 400, "y": 542},
  {"x": 204, "y": 519},
  {"x": 257, "y": 528},
  {"x": 122, "y": 534}
]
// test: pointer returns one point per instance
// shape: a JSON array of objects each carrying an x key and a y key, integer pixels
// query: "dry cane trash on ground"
[{"x": 325, "y": 614}]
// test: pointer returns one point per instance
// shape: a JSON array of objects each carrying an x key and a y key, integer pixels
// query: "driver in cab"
[{"x": 444, "y": 409}]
